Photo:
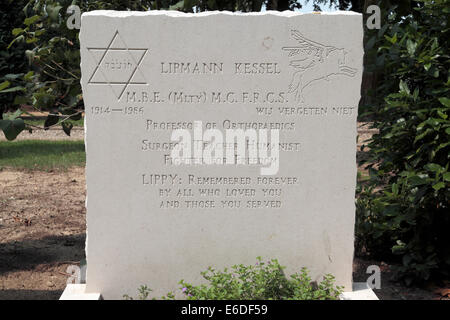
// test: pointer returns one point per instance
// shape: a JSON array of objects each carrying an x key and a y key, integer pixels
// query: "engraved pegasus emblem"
[{"x": 314, "y": 62}]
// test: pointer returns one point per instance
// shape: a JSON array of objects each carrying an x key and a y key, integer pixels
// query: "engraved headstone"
[{"x": 215, "y": 138}]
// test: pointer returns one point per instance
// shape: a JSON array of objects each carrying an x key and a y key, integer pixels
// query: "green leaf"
[
  {"x": 439, "y": 186},
  {"x": 32, "y": 40},
  {"x": 4, "y": 124},
  {"x": 411, "y": 47},
  {"x": 4, "y": 84},
  {"x": 14, "y": 89},
  {"x": 433, "y": 167},
  {"x": 445, "y": 101},
  {"x": 441, "y": 146},
  {"x": 53, "y": 11},
  {"x": 12, "y": 76},
  {"x": 404, "y": 87},
  {"x": 395, "y": 188},
  {"x": 436, "y": 73},
  {"x": 67, "y": 127},
  {"x": 416, "y": 94},
  {"x": 51, "y": 120},
  {"x": 17, "y": 31},
  {"x": 178, "y": 5},
  {"x": 446, "y": 176},
  {"x": 29, "y": 21},
  {"x": 442, "y": 115},
  {"x": 12, "y": 128},
  {"x": 43, "y": 100},
  {"x": 393, "y": 39},
  {"x": 417, "y": 181},
  {"x": 28, "y": 76},
  {"x": 398, "y": 249},
  {"x": 40, "y": 32},
  {"x": 423, "y": 134}
]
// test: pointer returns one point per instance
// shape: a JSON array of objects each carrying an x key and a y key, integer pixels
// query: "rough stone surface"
[{"x": 145, "y": 74}]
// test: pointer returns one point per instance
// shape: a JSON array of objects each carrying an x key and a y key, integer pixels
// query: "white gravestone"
[{"x": 215, "y": 138}]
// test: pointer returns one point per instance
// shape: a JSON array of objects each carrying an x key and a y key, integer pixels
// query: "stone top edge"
[{"x": 287, "y": 13}]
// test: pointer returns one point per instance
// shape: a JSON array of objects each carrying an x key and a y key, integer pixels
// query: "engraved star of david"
[{"x": 117, "y": 65}]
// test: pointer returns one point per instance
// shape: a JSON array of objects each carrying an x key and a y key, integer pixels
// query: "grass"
[{"x": 41, "y": 154}]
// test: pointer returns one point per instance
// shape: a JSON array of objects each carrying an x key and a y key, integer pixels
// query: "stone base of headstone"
[
  {"x": 78, "y": 292},
  {"x": 361, "y": 291}
]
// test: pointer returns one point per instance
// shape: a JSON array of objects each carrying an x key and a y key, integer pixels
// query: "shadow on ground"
[
  {"x": 32, "y": 254},
  {"x": 25, "y": 294},
  {"x": 37, "y": 269}
]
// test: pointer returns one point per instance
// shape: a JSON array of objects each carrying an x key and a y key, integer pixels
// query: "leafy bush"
[
  {"x": 404, "y": 208},
  {"x": 263, "y": 281},
  {"x": 12, "y": 63}
]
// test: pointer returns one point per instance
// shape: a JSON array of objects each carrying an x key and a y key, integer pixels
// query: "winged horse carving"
[{"x": 314, "y": 62}]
